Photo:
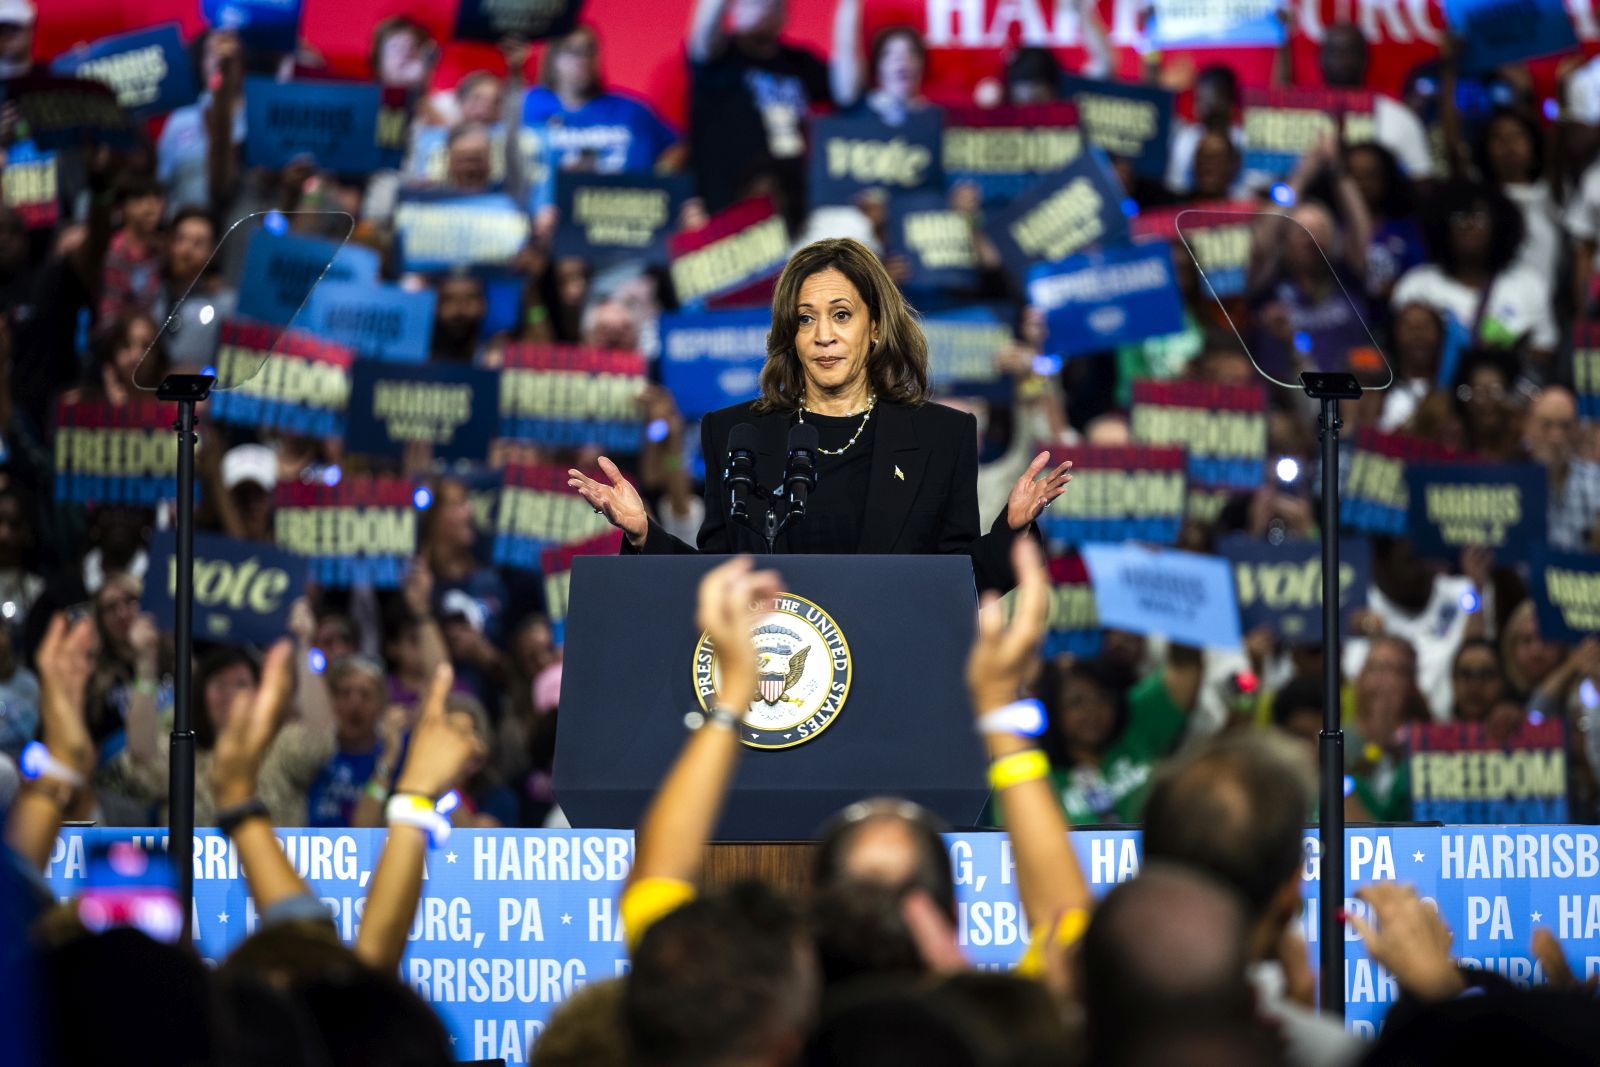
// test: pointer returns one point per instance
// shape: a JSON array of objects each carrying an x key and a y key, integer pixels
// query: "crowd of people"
[{"x": 1463, "y": 240}]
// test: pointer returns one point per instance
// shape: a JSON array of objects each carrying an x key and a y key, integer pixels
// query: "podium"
[{"x": 892, "y": 631}]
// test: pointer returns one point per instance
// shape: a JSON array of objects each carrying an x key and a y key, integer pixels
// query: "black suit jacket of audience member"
[{"x": 930, "y": 507}]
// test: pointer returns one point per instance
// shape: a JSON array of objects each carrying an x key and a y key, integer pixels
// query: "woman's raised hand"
[{"x": 619, "y": 502}]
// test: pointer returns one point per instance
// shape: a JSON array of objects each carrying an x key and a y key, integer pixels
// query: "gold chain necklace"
[{"x": 866, "y": 416}]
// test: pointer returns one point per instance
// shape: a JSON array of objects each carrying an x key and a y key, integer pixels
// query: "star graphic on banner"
[
  {"x": 1538, "y": 917},
  {"x": 566, "y": 920},
  {"x": 452, "y": 1039},
  {"x": 1416, "y": 857},
  {"x": 222, "y": 917},
  {"x": 449, "y": 857}
]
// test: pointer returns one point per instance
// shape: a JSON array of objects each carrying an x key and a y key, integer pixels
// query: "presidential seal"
[{"x": 802, "y": 673}]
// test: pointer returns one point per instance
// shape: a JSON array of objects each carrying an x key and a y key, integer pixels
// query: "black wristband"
[{"x": 230, "y": 819}]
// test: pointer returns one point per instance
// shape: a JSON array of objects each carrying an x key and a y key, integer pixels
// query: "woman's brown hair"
[{"x": 897, "y": 366}]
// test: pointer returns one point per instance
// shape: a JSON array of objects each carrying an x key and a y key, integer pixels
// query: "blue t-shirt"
[
  {"x": 331, "y": 800},
  {"x": 619, "y": 135}
]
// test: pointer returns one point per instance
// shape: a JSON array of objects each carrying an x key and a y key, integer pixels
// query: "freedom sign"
[
  {"x": 361, "y": 531},
  {"x": 1184, "y": 596},
  {"x": 243, "y": 590},
  {"x": 148, "y": 70},
  {"x": 1134, "y": 493},
  {"x": 1373, "y": 495},
  {"x": 1126, "y": 120},
  {"x": 1099, "y": 300},
  {"x": 853, "y": 153},
  {"x": 1074, "y": 623},
  {"x": 107, "y": 454},
  {"x": 287, "y": 380},
  {"x": 539, "y": 511},
  {"x": 1224, "y": 427},
  {"x": 732, "y": 261},
  {"x": 712, "y": 359},
  {"x": 1565, "y": 588},
  {"x": 567, "y": 396},
  {"x": 556, "y": 566},
  {"x": 440, "y": 232},
  {"x": 1216, "y": 235},
  {"x": 1079, "y": 209},
  {"x": 1494, "y": 505},
  {"x": 1007, "y": 150},
  {"x": 1460, "y": 773},
  {"x": 1280, "y": 586},
  {"x": 449, "y": 406}
]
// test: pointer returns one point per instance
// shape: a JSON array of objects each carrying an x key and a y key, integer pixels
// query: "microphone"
[
  {"x": 800, "y": 477},
  {"x": 740, "y": 473}
]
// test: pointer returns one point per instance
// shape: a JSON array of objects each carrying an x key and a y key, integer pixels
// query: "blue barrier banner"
[
  {"x": 1098, "y": 301},
  {"x": 1208, "y": 24},
  {"x": 1185, "y": 596},
  {"x": 383, "y": 321},
  {"x": 853, "y": 153},
  {"x": 242, "y": 589},
  {"x": 511, "y": 922},
  {"x": 267, "y": 25},
  {"x": 1126, "y": 120},
  {"x": 1074, "y": 623},
  {"x": 1496, "y": 505},
  {"x": 1006, "y": 150},
  {"x": 1496, "y": 32},
  {"x": 1224, "y": 427},
  {"x": 438, "y": 233},
  {"x": 364, "y": 529},
  {"x": 1132, "y": 493},
  {"x": 450, "y": 406},
  {"x": 531, "y": 20},
  {"x": 1074, "y": 211},
  {"x": 281, "y": 270},
  {"x": 333, "y": 123},
  {"x": 288, "y": 380},
  {"x": 711, "y": 359},
  {"x": 149, "y": 70},
  {"x": 1565, "y": 587},
  {"x": 1280, "y": 586},
  {"x": 608, "y": 218}
]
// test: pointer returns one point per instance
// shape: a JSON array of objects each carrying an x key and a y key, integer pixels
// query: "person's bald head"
[{"x": 1551, "y": 429}]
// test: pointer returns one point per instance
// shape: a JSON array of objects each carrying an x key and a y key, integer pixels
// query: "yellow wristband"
[{"x": 1017, "y": 768}]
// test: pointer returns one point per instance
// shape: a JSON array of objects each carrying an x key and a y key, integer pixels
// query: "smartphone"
[{"x": 125, "y": 885}]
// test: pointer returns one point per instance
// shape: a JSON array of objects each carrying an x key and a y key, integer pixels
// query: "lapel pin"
[{"x": 899, "y": 474}]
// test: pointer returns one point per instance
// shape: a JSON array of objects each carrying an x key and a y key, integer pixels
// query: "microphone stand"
[
  {"x": 770, "y": 525},
  {"x": 186, "y": 390}
]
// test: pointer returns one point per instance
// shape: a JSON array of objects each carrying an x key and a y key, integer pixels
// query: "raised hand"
[
  {"x": 619, "y": 502},
  {"x": 1003, "y": 655},
  {"x": 252, "y": 723},
  {"x": 1032, "y": 494},
  {"x": 1410, "y": 940},
  {"x": 418, "y": 588},
  {"x": 442, "y": 746},
  {"x": 729, "y": 595},
  {"x": 65, "y": 661}
]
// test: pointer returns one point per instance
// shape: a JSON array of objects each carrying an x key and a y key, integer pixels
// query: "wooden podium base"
[{"x": 784, "y": 865}]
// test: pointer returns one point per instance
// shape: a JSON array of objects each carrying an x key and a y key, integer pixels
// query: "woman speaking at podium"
[{"x": 894, "y": 473}]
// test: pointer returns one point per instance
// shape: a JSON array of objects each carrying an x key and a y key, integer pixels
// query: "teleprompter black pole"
[
  {"x": 186, "y": 390},
  {"x": 1330, "y": 388}
]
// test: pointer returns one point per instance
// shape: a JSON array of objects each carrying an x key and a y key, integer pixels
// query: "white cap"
[
  {"x": 17, "y": 12},
  {"x": 248, "y": 463},
  {"x": 1583, "y": 94},
  {"x": 457, "y": 602}
]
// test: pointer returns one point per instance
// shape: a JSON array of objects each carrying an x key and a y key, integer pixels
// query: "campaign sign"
[
  {"x": 556, "y": 566},
  {"x": 853, "y": 153},
  {"x": 68, "y": 113},
  {"x": 267, "y": 25},
  {"x": 1208, "y": 24},
  {"x": 394, "y": 126},
  {"x": 1280, "y": 124},
  {"x": 149, "y": 70},
  {"x": 281, "y": 270},
  {"x": 1135, "y": 493},
  {"x": 383, "y": 321},
  {"x": 1099, "y": 300},
  {"x": 1372, "y": 479},
  {"x": 1565, "y": 588},
  {"x": 1461, "y": 773},
  {"x": 333, "y": 123},
  {"x": 242, "y": 589},
  {"x": 711, "y": 359},
  {"x": 116, "y": 455},
  {"x": 1585, "y": 363},
  {"x": 1074, "y": 623},
  {"x": 1126, "y": 120},
  {"x": 531, "y": 20},
  {"x": 963, "y": 344},
  {"x": 1007, "y": 150},
  {"x": 450, "y": 406},
  {"x": 286, "y": 380},
  {"x": 1496, "y": 32},
  {"x": 361, "y": 531},
  {"x": 734, "y": 260},
  {"x": 1496, "y": 505},
  {"x": 607, "y": 218},
  {"x": 1184, "y": 596},
  {"x": 437, "y": 233},
  {"x": 31, "y": 187},
  {"x": 1217, "y": 235},
  {"x": 539, "y": 511},
  {"x": 935, "y": 242},
  {"x": 1079, "y": 209},
  {"x": 1224, "y": 427},
  {"x": 1280, "y": 586},
  {"x": 567, "y": 396}
]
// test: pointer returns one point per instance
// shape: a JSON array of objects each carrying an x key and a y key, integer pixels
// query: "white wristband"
[
  {"x": 409, "y": 809},
  {"x": 1024, "y": 718},
  {"x": 37, "y": 762}
]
